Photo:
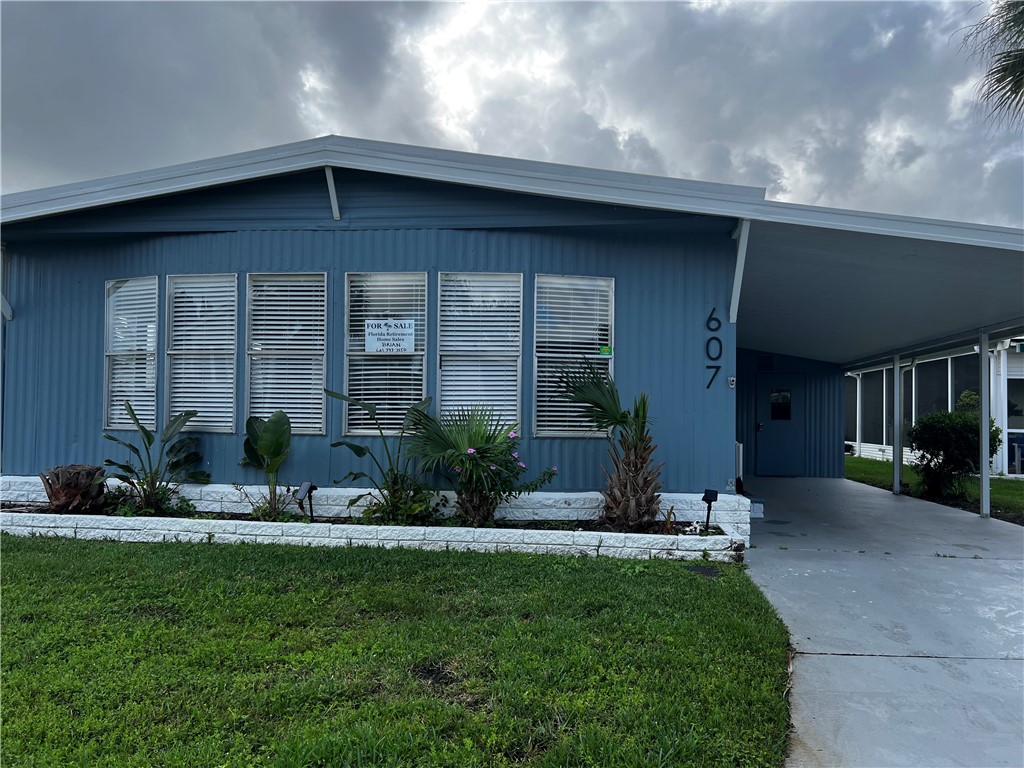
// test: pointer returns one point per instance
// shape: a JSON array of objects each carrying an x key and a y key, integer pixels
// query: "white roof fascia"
[{"x": 508, "y": 174}]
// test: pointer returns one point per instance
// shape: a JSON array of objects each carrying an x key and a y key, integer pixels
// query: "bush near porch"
[
  {"x": 189, "y": 654},
  {"x": 1007, "y": 496}
]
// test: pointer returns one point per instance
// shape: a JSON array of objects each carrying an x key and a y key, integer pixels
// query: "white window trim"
[
  {"x": 108, "y": 355},
  {"x": 169, "y": 353},
  {"x": 249, "y": 355},
  {"x": 495, "y": 355},
  {"x": 347, "y": 431},
  {"x": 537, "y": 432}
]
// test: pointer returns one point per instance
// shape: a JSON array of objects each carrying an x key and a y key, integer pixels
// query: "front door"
[{"x": 781, "y": 426}]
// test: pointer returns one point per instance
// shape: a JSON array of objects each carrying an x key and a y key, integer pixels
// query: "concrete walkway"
[{"x": 908, "y": 623}]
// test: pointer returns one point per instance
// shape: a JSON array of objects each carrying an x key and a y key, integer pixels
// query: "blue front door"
[{"x": 781, "y": 425}]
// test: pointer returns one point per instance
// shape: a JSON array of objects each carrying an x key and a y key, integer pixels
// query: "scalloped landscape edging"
[{"x": 726, "y": 548}]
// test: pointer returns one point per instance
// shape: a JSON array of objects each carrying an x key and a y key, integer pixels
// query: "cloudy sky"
[{"x": 855, "y": 105}]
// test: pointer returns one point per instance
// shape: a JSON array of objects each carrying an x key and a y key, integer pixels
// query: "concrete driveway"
[{"x": 908, "y": 622}]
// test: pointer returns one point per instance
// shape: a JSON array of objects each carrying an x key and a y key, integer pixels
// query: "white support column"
[
  {"x": 897, "y": 424},
  {"x": 984, "y": 384},
  {"x": 860, "y": 413}
]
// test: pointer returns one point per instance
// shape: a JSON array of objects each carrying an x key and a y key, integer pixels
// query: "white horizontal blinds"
[
  {"x": 480, "y": 341},
  {"x": 287, "y": 318},
  {"x": 385, "y": 342},
  {"x": 131, "y": 346},
  {"x": 201, "y": 334},
  {"x": 573, "y": 320}
]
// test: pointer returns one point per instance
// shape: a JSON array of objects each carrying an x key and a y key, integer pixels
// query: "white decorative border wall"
[
  {"x": 730, "y": 509},
  {"x": 726, "y": 549}
]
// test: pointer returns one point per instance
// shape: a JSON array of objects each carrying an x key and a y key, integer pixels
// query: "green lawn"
[
  {"x": 251, "y": 655},
  {"x": 1006, "y": 501}
]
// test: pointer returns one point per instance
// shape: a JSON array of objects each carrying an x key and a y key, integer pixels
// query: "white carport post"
[
  {"x": 897, "y": 425},
  {"x": 984, "y": 384}
]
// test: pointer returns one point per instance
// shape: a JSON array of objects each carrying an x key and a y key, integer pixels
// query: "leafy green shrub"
[
  {"x": 631, "y": 496},
  {"x": 267, "y": 444},
  {"x": 482, "y": 454},
  {"x": 400, "y": 496},
  {"x": 152, "y": 478},
  {"x": 948, "y": 446}
]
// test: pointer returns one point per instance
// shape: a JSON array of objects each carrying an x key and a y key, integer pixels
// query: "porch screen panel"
[
  {"x": 871, "y": 406},
  {"x": 130, "y": 347},
  {"x": 287, "y": 319},
  {"x": 932, "y": 387},
  {"x": 573, "y": 319},
  {"x": 385, "y": 368},
  {"x": 201, "y": 338},
  {"x": 480, "y": 342},
  {"x": 850, "y": 409},
  {"x": 965, "y": 376}
]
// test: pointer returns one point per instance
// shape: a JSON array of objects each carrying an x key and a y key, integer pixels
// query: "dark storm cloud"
[
  {"x": 93, "y": 89},
  {"x": 853, "y": 105}
]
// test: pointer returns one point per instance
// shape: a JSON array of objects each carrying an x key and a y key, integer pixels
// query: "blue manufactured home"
[{"x": 244, "y": 284}]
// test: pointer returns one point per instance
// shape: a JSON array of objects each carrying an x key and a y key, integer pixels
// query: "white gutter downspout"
[
  {"x": 742, "y": 234},
  {"x": 335, "y": 212},
  {"x": 984, "y": 382}
]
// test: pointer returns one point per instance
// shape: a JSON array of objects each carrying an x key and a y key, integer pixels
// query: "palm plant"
[
  {"x": 481, "y": 452},
  {"x": 631, "y": 496},
  {"x": 998, "y": 39}
]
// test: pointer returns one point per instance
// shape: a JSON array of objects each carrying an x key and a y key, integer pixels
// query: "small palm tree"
[
  {"x": 631, "y": 497},
  {"x": 998, "y": 39}
]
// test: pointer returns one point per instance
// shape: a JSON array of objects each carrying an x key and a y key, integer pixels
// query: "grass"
[
  {"x": 253, "y": 655},
  {"x": 1006, "y": 496}
]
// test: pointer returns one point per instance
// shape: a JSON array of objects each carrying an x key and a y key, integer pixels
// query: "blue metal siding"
[
  {"x": 666, "y": 283},
  {"x": 823, "y": 437}
]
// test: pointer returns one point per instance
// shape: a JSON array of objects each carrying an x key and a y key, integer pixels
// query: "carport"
[{"x": 854, "y": 289}]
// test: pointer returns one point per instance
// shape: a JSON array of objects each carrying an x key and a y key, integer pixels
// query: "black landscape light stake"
[
  {"x": 710, "y": 497},
  {"x": 306, "y": 492}
]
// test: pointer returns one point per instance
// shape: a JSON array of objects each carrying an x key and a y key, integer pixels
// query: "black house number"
[{"x": 713, "y": 347}]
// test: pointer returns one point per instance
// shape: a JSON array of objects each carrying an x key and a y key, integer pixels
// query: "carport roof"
[{"x": 823, "y": 283}]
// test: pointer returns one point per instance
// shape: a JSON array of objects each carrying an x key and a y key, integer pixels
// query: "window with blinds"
[
  {"x": 202, "y": 313},
  {"x": 130, "y": 351},
  {"x": 385, "y": 342},
  {"x": 574, "y": 319},
  {"x": 287, "y": 329},
  {"x": 479, "y": 341}
]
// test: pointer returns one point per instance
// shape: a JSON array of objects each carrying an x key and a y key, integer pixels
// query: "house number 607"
[{"x": 713, "y": 346}]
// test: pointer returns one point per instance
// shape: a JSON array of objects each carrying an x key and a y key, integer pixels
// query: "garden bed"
[{"x": 728, "y": 546}]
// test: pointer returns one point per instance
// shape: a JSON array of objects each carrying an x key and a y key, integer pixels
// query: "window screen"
[
  {"x": 385, "y": 343},
  {"x": 479, "y": 342},
  {"x": 287, "y": 328},
  {"x": 131, "y": 348},
  {"x": 201, "y": 338},
  {"x": 573, "y": 320}
]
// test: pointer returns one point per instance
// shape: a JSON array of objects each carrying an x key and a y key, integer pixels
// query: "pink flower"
[
  {"x": 493, "y": 467},
  {"x": 521, "y": 464},
  {"x": 512, "y": 435},
  {"x": 458, "y": 469},
  {"x": 554, "y": 469},
  {"x": 471, "y": 450},
  {"x": 515, "y": 455}
]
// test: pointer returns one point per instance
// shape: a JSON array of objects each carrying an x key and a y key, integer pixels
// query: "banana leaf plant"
[
  {"x": 267, "y": 444},
  {"x": 399, "y": 495},
  {"x": 155, "y": 470}
]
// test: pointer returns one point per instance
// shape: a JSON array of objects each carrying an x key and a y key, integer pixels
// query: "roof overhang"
[{"x": 823, "y": 283}]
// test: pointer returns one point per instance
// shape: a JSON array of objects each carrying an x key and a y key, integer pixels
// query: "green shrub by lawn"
[
  {"x": 1006, "y": 496},
  {"x": 204, "y": 655}
]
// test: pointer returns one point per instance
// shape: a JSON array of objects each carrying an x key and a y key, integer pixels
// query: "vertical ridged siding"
[
  {"x": 666, "y": 283},
  {"x": 823, "y": 435}
]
